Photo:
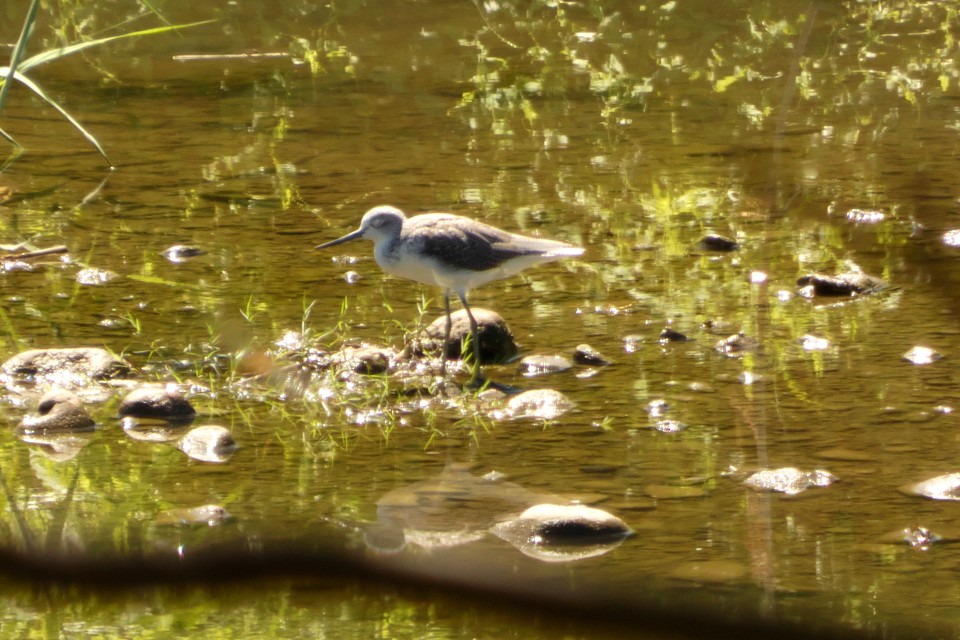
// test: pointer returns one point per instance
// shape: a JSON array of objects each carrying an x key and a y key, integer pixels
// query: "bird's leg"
[
  {"x": 446, "y": 334},
  {"x": 474, "y": 338}
]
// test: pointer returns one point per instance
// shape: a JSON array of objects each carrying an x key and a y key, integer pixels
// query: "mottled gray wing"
[{"x": 466, "y": 244}]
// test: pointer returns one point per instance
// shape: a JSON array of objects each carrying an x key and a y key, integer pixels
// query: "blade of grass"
[
  {"x": 17, "y": 68},
  {"x": 159, "y": 15},
  {"x": 6, "y": 136},
  {"x": 50, "y": 101},
  {"x": 19, "y": 49},
  {"x": 56, "y": 54}
]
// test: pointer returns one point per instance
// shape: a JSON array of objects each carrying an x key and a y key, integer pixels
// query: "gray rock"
[
  {"x": 58, "y": 410},
  {"x": 68, "y": 368},
  {"x": 156, "y": 402}
]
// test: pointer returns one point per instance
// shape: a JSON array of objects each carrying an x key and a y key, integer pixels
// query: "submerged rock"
[
  {"x": 496, "y": 340},
  {"x": 847, "y": 284},
  {"x": 538, "y": 365},
  {"x": 543, "y": 404},
  {"x": 156, "y": 402},
  {"x": 789, "y": 480},
  {"x": 93, "y": 277},
  {"x": 210, "y": 515},
  {"x": 67, "y": 368},
  {"x": 918, "y": 537},
  {"x": 736, "y": 345},
  {"x": 209, "y": 443},
  {"x": 58, "y": 410}
]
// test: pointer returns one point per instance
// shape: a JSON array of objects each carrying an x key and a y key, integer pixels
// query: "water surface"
[{"x": 820, "y": 137}]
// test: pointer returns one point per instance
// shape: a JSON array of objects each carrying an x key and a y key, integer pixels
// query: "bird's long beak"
[{"x": 355, "y": 235}]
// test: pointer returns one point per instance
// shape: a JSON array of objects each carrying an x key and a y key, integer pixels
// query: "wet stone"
[
  {"x": 71, "y": 368},
  {"x": 181, "y": 253},
  {"x": 865, "y": 216},
  {"x": 848, "y": 284},
  {"x": 922, "y": 355},
  {"x": 565, "y": 524},
  {"x": 496, "y": 340},
  {"x": 814, "y": 343},
  {"x": 952, "y": 238},
  {"x": 58, "y": 410},
  {"x": 714, "y": 242},
  {"x": 544, "y": 364},
  {"x": 945, "y": 487},
  {"x": 209, "y": 443},
  {"x": 789, "y": 480},
  {"x": 657, "y": 407},
  {"x": 585, "y": 354},
  {"x": 632, "y": 343},
  {"x": 918, "y": 537},
  {"x": 367, "y": 360},
  {"x": 156, "y": 402},
  {"x": 668, "y": 426},
  {"x": 669, "y": 334},
  {"x": 736, "y": 345}
]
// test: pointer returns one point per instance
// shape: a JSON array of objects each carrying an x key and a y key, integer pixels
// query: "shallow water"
[{"x": 632, "y": 131}]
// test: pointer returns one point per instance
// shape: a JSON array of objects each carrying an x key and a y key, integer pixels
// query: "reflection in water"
[
  {"x": 456, "y": 508},
  {"x": 58, "y": 447}
]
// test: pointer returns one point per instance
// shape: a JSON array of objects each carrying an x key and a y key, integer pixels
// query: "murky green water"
[{"x": 819, "y": 136}]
